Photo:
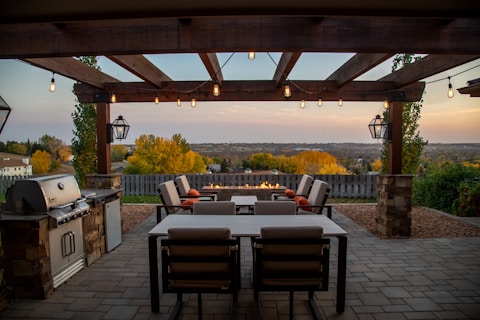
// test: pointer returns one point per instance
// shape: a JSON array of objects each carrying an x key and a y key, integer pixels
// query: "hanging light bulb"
[
  {"x": 216, "y": 89},
  {"x": 450, "y": 89},
  {"x": 340, "y": 102},
  {"x": 302, "y": 104},
  {"x": 179, "y": 102},
  {"x": 251, "y": 55},
  {"x": 385, "y": 104},
  {"x": 113, "y": 97},
  {"x": 156, "y": 99},
  {"x": 286, "y": 91},
  {"x": 52, "y": 83},
  {"x": 319, "y": 102},
  {"x": 194, "y": 102}
]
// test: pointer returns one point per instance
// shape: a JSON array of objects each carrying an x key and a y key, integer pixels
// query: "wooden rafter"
[
  {"x": 356, "y": 66},
  {"x": 210, "y": 61},
  {"x": 426, "y": 67},
  {"x": 73, "y": 69},
  {"x": 285, "y": 66},
  {"x": 142, "y": 68}
]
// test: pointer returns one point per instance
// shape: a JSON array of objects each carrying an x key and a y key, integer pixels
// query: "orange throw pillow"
[
  {"x": 289, "y": 193},
  {"x": 302, "y": 201},
  {"x": 193, "y": 193},
  {"x": 187, "y": 204}
]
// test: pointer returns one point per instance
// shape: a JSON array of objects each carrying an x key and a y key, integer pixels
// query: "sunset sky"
[{"x": 36, "y": 111}]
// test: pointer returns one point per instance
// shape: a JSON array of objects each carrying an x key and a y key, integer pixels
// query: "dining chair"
[
  {"x": 184, "y": 190},
  {"x": 199, "y": 260},
  {"x": 316, "y": 201},
  {"x": 274, "y": 207},
  {"x": 303, "y": 189},
  {"x": 214, "y": 207},
  {"x": 291, "y": 259},
  {"x": 171, "y": 201}
]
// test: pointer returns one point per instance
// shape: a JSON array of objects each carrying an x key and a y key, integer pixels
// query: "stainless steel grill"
[{"x": 57, "y": 196}]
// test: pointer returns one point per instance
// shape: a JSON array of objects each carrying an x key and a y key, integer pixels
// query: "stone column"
[
  {"x": 394, "y": 205},
  {"x": 104, "y": 181}
]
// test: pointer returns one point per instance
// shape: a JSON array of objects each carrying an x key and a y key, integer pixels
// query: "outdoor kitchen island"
[{"x": 50, "y": 230}]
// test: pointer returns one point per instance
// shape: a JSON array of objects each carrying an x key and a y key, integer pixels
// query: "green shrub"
[
  {"x": 468, "y": 203},
  {"x": 438, "y": 188}
]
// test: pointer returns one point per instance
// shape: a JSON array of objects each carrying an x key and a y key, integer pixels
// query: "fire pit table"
[{"x": 225, "y": 193}]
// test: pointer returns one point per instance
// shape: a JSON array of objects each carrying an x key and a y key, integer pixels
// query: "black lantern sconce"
[
  {"x": 118, "y": 129},
  {"x": 4, "y": 113},
  {"x": 379, "y": 129}
]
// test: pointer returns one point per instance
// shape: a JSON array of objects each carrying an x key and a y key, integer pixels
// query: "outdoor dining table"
[{"x": 246, "y": 226}]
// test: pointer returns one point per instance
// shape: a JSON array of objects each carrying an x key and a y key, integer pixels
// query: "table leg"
[
  {"x": 154, "y": 288},
  {"x": 341, "y": 273}
]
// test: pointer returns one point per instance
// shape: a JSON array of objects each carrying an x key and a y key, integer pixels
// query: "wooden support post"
[
  {"x": 103, "y": 145},
  {"x": 395, "y": 147}
]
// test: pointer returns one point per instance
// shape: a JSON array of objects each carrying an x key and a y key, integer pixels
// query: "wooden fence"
[{"x": 342, "y": 186}]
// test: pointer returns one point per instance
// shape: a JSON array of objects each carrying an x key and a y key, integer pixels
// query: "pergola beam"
[
  {"x": 259, "y": 90},
  {"x": 241, "y": 34}
]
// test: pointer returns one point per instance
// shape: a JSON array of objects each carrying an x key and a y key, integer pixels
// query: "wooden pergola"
[{"x": 50, "y": 34}]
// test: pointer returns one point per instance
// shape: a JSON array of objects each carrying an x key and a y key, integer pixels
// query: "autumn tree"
[
  {"x": 41, "y": 162},
  {"x": 119, "y": 152},
  {"x": 157, "y": 155},
  {"x": 262, "y": 161},
  {"x": 84, "y": 142},
  {"x": 316, "y": 162},
  {"x": 412, "y": 142},
  {"x": 52, "y": 145}
]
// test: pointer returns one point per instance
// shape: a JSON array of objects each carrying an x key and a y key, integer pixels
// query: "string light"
[
  {"x": 179, "y": 102},
  {"x": 156, "y": 99},
  {"x": 251, "y": 55},
  {"x": 216, "y": 89},
  {"x": 319, "y": 102},
  {"x": 340, "y": 102},
  {"x": 113, "y": 97},
  {"x": 302, "y": 104},
  {"x": 385, "y": 104},
  {"x": 286, "y": 91},
  {"x": 450, "y": 89},
  {"x": 194, "y": 102},
  {"x": 52, "y": 83}
]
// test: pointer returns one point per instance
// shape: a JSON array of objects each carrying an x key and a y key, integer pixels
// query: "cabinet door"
[{"x": 113, "y": 225}]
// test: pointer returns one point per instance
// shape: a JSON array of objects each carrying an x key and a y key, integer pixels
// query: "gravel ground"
[{"x": 426, "y": 223}]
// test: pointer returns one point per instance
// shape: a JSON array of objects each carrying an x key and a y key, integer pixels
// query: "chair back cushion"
[
  {"x": 182, "y": 185},
  {"x": 170, "y": 195},
  {"x": 317, "y": 194},
  {"x": 293, "y": 258},
  {"x": 304, "y": 185},
  {"x": 214, "y": 207},
  {"x": 196, "y": 264},
  {"x": 274, "y": 207}
]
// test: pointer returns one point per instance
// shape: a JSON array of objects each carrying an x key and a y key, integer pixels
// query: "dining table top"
[{"x": 246, "y": 225}]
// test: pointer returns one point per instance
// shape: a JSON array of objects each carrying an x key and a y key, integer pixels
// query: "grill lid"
[{"x": 42, "y": 194}]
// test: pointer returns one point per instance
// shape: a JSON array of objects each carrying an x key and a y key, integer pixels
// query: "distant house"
[{"x": 15, "y": 167}]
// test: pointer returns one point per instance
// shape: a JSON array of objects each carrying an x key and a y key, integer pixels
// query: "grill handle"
[{"x": 70, "y": 204}]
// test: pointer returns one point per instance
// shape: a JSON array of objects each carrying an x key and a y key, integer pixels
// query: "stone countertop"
[{"x": 97, "y": 197}]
